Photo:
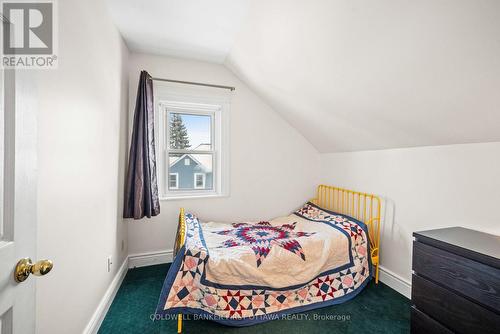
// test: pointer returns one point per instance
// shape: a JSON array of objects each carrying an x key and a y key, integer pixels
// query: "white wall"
[
  {"x": 82, "y": 115},
  {"x": 273, "y": 168},
  {"x": 423, "y": 188}
]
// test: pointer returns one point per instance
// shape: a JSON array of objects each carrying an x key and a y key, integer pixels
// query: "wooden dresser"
[{"x": 455, "y": 282}]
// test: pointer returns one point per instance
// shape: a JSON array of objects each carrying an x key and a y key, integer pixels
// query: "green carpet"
[{"x": 377, "y": 309}]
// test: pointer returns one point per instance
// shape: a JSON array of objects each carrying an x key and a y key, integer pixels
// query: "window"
[
  {"x": 173, "y": 181},
  {"x": 192, "y": 145},
  {"x": 199, "y": 180}
]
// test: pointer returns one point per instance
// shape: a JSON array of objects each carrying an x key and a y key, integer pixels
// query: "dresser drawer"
[
  {"x": 421, "y": 323},
  {"x": 453, "y": 311},
  {"x": 467, "y": 277}
]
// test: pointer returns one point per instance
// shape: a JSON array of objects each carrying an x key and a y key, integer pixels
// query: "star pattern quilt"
[{"x": 243, "y": 273}]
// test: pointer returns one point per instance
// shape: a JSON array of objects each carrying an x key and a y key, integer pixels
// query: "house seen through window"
[{"x": 190, "y": 151}]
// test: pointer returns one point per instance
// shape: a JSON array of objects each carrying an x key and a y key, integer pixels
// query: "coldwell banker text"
[{"x": 29, "y": 35}]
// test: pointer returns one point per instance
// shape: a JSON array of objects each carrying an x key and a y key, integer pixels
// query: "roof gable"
[{"x": 204, "y": 165}]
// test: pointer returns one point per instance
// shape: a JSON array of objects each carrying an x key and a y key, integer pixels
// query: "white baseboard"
[
  {"x": 395, "y": 282},
  {"x": 99, "y": 314},
  {"x": 132, "y": 261},
  {"x": 150, "y": 258}
]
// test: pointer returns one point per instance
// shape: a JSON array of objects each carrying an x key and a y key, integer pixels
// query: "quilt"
[{"x": 244, "y": 273}]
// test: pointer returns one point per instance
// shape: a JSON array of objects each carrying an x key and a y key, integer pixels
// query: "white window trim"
[
  {"x": 204, "y": 177},
  {"x": 203, "y": 100},
  {"x": 176, "y": 180}
]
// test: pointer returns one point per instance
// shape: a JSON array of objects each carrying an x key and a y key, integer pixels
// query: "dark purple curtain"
[{"x": 141, "y": 188}]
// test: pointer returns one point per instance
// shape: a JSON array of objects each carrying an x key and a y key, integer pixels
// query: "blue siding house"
[{"x": 188, "y": 172}]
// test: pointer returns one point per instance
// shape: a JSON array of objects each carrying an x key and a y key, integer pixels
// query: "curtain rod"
[{"x": 194, "y": 83}]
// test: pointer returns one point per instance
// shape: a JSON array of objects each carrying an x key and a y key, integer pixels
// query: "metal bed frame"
[{"x": 361, "y": 206}]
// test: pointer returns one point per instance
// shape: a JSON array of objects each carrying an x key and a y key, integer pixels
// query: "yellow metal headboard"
[{"x": 362, "y": 206}]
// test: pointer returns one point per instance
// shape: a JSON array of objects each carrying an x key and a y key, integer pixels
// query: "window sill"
[{"x": 197, "y": 196}]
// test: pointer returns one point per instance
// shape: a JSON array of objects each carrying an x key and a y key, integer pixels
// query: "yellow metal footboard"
[
  {"x": 180, "y": 238},
  {"x": 362, "y": 206}
]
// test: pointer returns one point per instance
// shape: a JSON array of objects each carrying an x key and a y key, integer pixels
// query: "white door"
[{"x": 17, "y": 199}]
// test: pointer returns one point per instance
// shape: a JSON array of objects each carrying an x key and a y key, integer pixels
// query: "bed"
[{"x": 240, "y": 274}]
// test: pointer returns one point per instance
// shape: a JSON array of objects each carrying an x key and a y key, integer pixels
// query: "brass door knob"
[{"x": 25, "y": 267}]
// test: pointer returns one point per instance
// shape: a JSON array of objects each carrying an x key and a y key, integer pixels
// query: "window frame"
[
  {"x": 176, "y": 180},
  {"x": 193, "y": 101},
  {"x": 204, "y": 178}
]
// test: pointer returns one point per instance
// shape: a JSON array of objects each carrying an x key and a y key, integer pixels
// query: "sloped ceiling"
[
  {"x": 194, "y": 29},
  {"x": 349, "y": 75},
  {"x": 358, "y": 75}
]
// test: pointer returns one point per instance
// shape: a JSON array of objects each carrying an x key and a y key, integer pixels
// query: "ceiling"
[
  {"x": 349, "y": 75},
  {"x": 194, "y": 29}
]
